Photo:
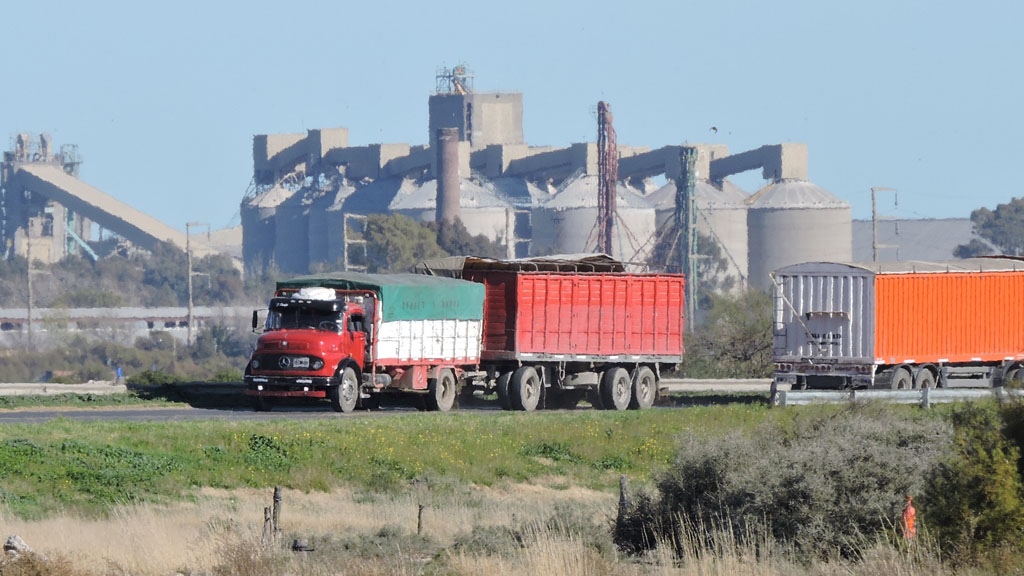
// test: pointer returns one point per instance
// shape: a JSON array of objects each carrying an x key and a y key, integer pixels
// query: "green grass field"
[{"x": 89, "y": 467}]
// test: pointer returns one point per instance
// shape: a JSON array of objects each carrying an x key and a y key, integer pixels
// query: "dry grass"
[{"x": 220, "y": 532}]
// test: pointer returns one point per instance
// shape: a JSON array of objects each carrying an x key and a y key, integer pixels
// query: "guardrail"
[{"x": 924, "y": 397}]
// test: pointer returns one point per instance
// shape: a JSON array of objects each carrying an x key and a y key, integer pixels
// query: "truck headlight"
[
  {"x": 255, "y": 364},
  {"x": 317, "y": 364}
]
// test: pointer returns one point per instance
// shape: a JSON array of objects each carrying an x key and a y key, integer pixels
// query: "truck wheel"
[
  {"x": 501, "y": 384},
  {"x": 616, "y": 390},
  {"x": 442, "y": 391},
  {"x": 345, "y": 394},
  {"x": 901, "y": 379},
  {"x": 645, "y": 389},
  {"x": 524, "y": 389},
  {"x": 925, "y": 379},
  {"x": 1014, "y": 377}
]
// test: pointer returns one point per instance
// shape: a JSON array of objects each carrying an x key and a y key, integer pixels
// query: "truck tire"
[
  {"x": 645, "y": 389},
  {"x": 901, "y": 379},
  {"x": 442, "y": 391},
  {"x": 345, "y": 393},
  {"x": 925, "y": 379},
  {"x": 616, "y": 390},
  {"x": 524, "y": 389},
  {"x": 501, "y": 385}
]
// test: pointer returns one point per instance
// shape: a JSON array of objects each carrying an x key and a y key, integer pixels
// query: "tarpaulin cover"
[{"x": 406, "y": 296}]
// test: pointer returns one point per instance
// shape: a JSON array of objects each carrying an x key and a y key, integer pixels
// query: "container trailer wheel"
[
  {"x": 925, "y": 379},
  {"x": 616, "y": 390},
  {"x": 524, "y": 389},
  {"x": 645, "y": 389},
  {"x": 346, "y": 393},
  {"x": 1014, "y": 377},
  {"x": 442, "y": 391},
  {"x": 901, "y": 379}
]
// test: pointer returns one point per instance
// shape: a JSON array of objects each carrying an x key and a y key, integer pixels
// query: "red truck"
[
  {"x": 900, "y": 325},
  {"x": 558, "y": 330},
  {"x": 350, "y": 337},
  {"x": 542, "y": 332}
]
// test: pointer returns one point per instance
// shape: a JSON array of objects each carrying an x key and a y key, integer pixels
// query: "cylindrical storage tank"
[
  {"x": 567, "y": 224},
  {"x": 482, "y": 211},
  {"x": 448, "y": 203},
  {"x": 325, "y": 225},
  {"x": 794, "y": 221},
  {"x": 259, "y": 227},
  {"x": 722, "y": 216}
]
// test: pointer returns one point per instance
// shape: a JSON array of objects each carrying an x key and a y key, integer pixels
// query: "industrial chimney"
[{"x": 448, "y": 197}]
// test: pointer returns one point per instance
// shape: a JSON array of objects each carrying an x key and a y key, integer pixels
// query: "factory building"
[
  {"x": 310, "y": 190},
  {"x": 47, "y": 213}
]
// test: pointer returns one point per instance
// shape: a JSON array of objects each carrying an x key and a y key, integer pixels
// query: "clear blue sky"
[{"x": 163, "y": 98}]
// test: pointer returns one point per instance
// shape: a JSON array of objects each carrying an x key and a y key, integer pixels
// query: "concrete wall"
[
  {"x": 483, "y": 118},
  {"x": 276, "y": 154}
]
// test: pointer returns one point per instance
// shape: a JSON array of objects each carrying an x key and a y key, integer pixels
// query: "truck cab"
[{"x": 315, "y": 344}]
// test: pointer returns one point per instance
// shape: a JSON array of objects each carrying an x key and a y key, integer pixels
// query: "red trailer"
[{"x": 558, "y": 330}]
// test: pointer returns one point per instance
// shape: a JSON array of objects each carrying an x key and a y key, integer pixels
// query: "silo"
[
  {"x": 291, "y": 246},
  {"x": 721, "y": 215},
  {"x": 567, "y": 223},
  {"x": 259, "y": 227},
  {"x": 325, "y": 224},
  {"x": 795, "y": 221},
  {"x": 481, "y": 210}
]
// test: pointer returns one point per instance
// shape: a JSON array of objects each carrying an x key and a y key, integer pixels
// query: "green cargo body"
[{"x": 406, "y": 296}]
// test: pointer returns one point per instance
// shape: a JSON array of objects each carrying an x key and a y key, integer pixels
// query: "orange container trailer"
[{"x": 900, "y": 324}]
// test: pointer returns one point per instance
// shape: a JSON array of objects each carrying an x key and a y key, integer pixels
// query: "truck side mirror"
[{"x": 255, "y": 319}]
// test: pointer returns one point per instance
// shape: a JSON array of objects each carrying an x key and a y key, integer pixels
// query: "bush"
[
  {"x": 824, "y": 480},
  {"x": 973, "y": 500},
  {"x": 154, "y": 378}
]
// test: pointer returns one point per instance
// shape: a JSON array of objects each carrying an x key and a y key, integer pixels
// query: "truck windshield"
[{"x": 304, "y": 318}]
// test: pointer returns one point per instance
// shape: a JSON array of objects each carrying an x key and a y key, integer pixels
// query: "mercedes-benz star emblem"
[{"x": 284, "y": 362}]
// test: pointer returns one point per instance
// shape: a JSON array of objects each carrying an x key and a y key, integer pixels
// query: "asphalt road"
[{"x": 314, "y": 410}]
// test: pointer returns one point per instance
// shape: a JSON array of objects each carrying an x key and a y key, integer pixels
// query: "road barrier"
[{"x": 924, "y": 397}]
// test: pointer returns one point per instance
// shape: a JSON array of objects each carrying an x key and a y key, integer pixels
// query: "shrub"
[
  {"x": 824, "y": 480},
  {"x": 974, "y": 496},
  {"x": 153, "y": 378}
]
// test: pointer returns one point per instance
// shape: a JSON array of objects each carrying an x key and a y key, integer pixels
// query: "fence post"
[
  {"x": 926, "y": 401},
  {"x": 623, "y": 499},
  {"x": 419, "y": 520},
  {"x": 277, "y": 512}
]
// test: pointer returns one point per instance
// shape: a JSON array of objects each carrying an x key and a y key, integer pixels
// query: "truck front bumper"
[{"x": 287, "y": 386}]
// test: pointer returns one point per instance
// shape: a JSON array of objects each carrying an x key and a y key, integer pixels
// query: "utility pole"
[
  {"x": 874, "y": 221},
  {"x": 188, "y": 253}
]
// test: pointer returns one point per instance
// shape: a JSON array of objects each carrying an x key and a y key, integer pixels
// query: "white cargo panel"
[
  {"x": 824, "y": 311},
  {"x": 414, "y": 341}
]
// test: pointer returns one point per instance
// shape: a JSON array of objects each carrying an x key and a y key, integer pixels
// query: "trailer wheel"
[
  {"x": 925, "y": 379},
  {"x": 616, "y": 391},
  {"x": 346, "y": 393},
  {"x": 645, "y": 389},
  {"x": 901, "y": 379},
  {"x": 524, "y": 389},
  {"x": 501, "y": 384},
  {"x": 1014, "y": 377},
  {"x": 442, "y": 391}
]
